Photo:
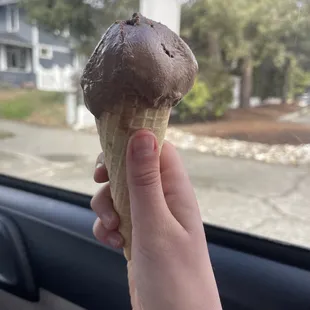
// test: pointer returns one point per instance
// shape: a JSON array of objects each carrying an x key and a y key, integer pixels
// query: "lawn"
[
  {"x": 258, "y": 124},
  {"x": 37, "y": 107}
]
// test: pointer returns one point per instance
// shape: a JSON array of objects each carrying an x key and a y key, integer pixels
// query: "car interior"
[
  {"x": 51, "y": 260},
  {"x": 79, "y": 74}
]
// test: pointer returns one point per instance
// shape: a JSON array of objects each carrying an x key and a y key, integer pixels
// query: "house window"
[
  {"x": 12, "y": 19},
  {"x": 46, "y": 52},
  {"x": 16, "y": 58}
]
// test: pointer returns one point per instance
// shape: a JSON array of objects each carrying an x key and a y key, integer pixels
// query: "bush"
[
  {"x": 194, "y": 104},
  {"x": 221, "y": 91},
  {"x": 301, "y": 82},
  {"x": 207, "y": 100}
]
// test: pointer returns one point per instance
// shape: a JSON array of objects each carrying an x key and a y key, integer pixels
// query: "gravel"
[{"x": 271, "y": 154}]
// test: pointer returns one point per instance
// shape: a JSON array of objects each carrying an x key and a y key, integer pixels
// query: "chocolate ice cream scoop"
[{"x": 140, "y": 60}]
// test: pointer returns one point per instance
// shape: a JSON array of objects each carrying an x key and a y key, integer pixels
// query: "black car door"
[{"x": 56, "y": 256}]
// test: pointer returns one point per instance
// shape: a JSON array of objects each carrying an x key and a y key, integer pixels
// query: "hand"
[{"x": 170, "y": 267}]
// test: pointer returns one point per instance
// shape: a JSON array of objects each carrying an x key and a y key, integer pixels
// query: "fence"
[{"x": 55, "y": 79}]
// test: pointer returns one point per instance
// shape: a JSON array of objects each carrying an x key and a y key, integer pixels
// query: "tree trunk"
[
  {"x": 286, "y": 81},
  {"x": 214, "y": 51},
  {"x": 246, "y": 82}
]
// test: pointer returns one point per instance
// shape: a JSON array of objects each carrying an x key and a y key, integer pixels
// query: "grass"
[{"x": 39, "y": 107}]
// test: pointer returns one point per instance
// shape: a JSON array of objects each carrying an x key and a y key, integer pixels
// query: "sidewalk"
[{"x": 269, "y": 200}]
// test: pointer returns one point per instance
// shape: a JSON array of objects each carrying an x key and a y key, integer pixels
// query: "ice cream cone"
[
  {"x": 114, "y": 131},
  {"x": 138, "y": 72}
]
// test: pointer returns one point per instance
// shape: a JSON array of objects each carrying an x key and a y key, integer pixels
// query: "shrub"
[
  {"x": 221, "y": 92},
  {"x": 301, "y": 82},
  {"x": 207, "y": 100},
  {"x": 194, "y": 104}
]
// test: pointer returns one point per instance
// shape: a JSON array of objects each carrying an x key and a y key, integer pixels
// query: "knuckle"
[
  {"x": 101, "y": 198},
  {"x": 156, "y": 249},
  {"x": 107, "y": 190},
  {"x": 163, "y": 240},
  {"x": 146, "y": 178},
  {"x": 169, "y": 144},
  {"x": 113, "y": 221},
  {"x": 147, "y": 253}
]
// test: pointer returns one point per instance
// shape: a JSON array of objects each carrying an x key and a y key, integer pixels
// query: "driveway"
[{"x": 269, "y": 200}]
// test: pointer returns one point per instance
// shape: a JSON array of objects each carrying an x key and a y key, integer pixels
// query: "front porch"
[{"x": 16, "y": 68}]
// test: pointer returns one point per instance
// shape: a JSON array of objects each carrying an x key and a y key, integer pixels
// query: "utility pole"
[{"x": 167, "y": 12}]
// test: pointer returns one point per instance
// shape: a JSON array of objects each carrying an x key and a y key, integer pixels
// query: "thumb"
[{"x": 148, "y": 206}]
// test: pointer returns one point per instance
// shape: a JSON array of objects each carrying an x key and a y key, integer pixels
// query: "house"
[{"x": 30, "y": 55}]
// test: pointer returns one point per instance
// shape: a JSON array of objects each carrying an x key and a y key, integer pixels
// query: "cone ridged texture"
[{"x": 114, "y": 131}]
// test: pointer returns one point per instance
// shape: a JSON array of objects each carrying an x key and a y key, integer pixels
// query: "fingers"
[
  {"x": 178, "y": 191},
  {"x": 102, "y": 204},
  {"x": 101, "y": 173},
  {"x": 149, "y": 210},
  {"x": 112, "y": 238},
  {"x": 106, "y": 225}
]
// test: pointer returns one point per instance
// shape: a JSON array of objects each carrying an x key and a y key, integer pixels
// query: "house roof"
[
  {"x": 13, "y": 39},
  {"x": 5, "y": 2}
]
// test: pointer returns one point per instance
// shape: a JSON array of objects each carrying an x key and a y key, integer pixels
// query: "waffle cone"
[{"x": 114, "y": 131}]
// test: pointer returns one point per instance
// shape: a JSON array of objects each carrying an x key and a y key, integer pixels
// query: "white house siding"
[
  {"x": 47, "y": 73},
  {"x": 24, "y": 29},
  {"x": 20, "y": 79},
  {"x": 55, "y": 79},
  {"x": 51, "y": 39},
  {"x": 54, "y": 73},
  {"x": 59, "y": 59}
]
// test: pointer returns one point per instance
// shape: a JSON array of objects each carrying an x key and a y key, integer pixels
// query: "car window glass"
[{"x": 243, "y": 131}]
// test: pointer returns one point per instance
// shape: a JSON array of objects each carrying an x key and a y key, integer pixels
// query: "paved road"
[{"x": 269, "y": 200}]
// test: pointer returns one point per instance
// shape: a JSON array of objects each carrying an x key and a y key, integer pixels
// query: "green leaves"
[
  {"x": 195, "y": 102},
  {"x": 85, "y": 20},
  {"x": 261, "y": 29},
  {"x": 270, "y": 33}
]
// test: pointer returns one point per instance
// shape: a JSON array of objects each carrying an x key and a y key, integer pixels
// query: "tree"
[
  {"x": 198, "y": 30},
  {"x": 246, "y": 32},
  {"x": 85, "y": 20}
]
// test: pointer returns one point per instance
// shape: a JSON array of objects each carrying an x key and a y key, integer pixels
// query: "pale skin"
[{"x": 170, "y": 267}]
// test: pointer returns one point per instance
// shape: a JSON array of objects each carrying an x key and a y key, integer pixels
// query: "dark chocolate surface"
[{"x": 140, "y": 61}]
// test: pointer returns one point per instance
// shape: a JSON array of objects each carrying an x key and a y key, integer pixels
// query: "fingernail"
[
  {"x": 114, "y": 241},
  {"x": 98, "y": 165},
  {"x": 143, "y": 145}
]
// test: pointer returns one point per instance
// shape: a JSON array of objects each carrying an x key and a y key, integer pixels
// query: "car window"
[{"x": 243, "y": 131}]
